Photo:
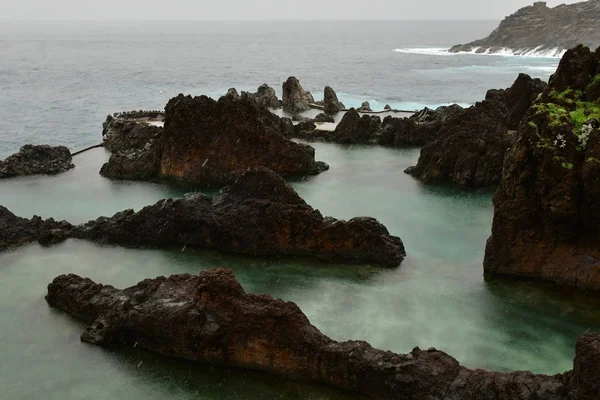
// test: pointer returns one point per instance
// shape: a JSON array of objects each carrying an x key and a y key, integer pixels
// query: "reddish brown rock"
[
  {"x": 211, "y": 319},
  {"x": 206, "y": 142},
  {"x": 547, "y": 207}
]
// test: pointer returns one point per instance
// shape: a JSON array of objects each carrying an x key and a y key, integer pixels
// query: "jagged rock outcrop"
[
  {"x": 294, "y": 97},
  {"x": 233, "y": 93},
  {"x": 331, "y": 104},
  {"x": 37, "y": 160},
  {"x": 469, "y": 150},
  {"x": 538, "y": 28},
  {"x": 387, "y": 107},
  {"x": 265, "y": 96},
  {"x": 547, "y": 206},
  {"x": 417, "y": 130},
  {"x": 365, "y": 107},
  {"x": 16, "y": 231},
  {"x": 209, "y": 318},
  {"x": 258, "y": 215},
  {"x": 206, "y": 142},
  {"x": 127, "y": 131},
  {"x": 354, "y": 128}
]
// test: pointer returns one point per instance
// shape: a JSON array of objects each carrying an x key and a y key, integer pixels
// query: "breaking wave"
[{"x": 537, "y": 52}]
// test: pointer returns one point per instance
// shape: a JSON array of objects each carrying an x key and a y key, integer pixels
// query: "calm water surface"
[{"x": 437, "y": 298}]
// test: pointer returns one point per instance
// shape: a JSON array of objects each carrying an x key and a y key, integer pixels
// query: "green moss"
[
  {"x": 568, "y": 96},
  {"x": 567, "y": 165},
  {"x": 583, "y": 113},
  {"x": 593, "y": 160}
]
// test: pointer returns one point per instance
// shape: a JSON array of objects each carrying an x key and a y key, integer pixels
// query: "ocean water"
[{"x": 58, "y": 82}]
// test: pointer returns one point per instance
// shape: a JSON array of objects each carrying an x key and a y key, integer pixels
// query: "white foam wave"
[{"x": 538, "y": 52}]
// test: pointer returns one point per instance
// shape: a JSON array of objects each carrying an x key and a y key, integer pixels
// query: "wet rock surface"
[
  {"x": 206, "y": 142},
  {"x": 470, "y": 147},
  {"x": 547, "y": 206},
  {"x": 16, "y": 231},
  {"x": 295, "y": 98},
  {"x": 331, "y": 104},
  {"x": 37, "y": 160},
  {"x": 265, "y": 96},
  {"x": 209, "y": 318},
  {"x": 354, "y": 128},
  {"x": 259, "y": 215},
  {"x": 540, "y": 28}
]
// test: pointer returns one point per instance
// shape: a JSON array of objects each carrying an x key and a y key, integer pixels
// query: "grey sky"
[{"x": 258, "y": 9}]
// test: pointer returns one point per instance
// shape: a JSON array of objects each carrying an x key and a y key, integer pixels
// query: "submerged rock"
[
  {"x": 258, "y": 215},
  {"x": 470, "y": 146},
  {"x": 354, "y": 128},
  {"x": 547, "y": 206},
  {"x": 206, "y": 142},
  {"x": 538, "y": 28},
  {"x": 331, "y": 104},
  {"x": 265, "y": 96},
  {"x": 295, "y": 98},
  {"x": 322, "y": 117},
  {"x": 16, "y": 231},
  {"x": 36, "y": 160},
  {"x": 209, "y": 318}
]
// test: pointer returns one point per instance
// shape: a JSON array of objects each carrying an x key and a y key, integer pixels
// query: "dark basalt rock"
[
  {"x": 265, "y": 96},
  {"x": 258, "y": 215},
  {"x": 356, "y": 129},
  {"x": 547, "y": 206},
  {"x": 206, "y": 142},
  {"x": 539, "y": 28},
  {"x": 470, "y": 146},
  {"x": 135, "y": 164},
  {"x": 322, "y": 117},
  {"x": 209, "y": 318},
  {"x": 387, "y": 107},
  {"x": 35, "y": 160},
  {"x": 331, "y": 104},
  {"x": 365, "y": 107},
  {"x": 417, "y": 130},
  {"x": 233, "y": 93},
  {"x": 123, "y": 132},
  {"x": 295, "y": 98},
  {"x": 16, "y": 231}
]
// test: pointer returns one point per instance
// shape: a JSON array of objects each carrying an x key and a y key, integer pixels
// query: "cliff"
[{"x": 542, "y": 29}]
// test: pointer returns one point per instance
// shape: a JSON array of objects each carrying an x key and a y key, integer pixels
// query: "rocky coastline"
[
  {"x": 539, "y": 29},
  {"x": 546, "y": 206},
  {"x": 37, "y": 160},
  {"x": 258, "y": 215},
  {"x": 209, "y": 318}
]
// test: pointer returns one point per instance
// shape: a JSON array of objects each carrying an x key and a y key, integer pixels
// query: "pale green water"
[{"x": 437, "y": 298}]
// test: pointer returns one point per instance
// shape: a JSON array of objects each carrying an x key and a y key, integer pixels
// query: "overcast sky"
[{"x": 258, "y": 9}]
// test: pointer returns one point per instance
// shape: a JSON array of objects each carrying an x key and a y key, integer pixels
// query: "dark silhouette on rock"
[
  {"x": 354, "y": 128},
  {"x": 470, "y": 146},
  {"x": 37, "y": 160},
  {"x": 387, "y": 107},
  {"x": 16, "y": 231},
  {"x": 209, "y": 318},
  {"x": 265, "y": 96},
  {"x": 206, "y": 143},
  {"x": 538, "y": 28},
  {"x": 547, "y": 206},
  {"x": 331, "y": 104},
  {"x": 294, "y": 97}
]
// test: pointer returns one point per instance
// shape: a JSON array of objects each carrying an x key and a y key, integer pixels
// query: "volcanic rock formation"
[
  {"x": 331, "y": 104},
  {"x": 265, "y": 96},
  {"x": 354, "y": 128},
  {"x": 538, "y": 28},
  {"x": 206, "y": 142},
  {"x": 470, "y": 149},
  {"x": 209, "y": 318},
  {"x": 295, "y": 98},
  {"x": 547, "y": 207},
  {"x": 34, "y": 160},
  {"x": 259, "y": 215},
  {"x": 129, "y": 131}
]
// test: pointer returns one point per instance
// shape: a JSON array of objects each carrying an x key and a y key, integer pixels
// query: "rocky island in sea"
[{"x": 539, "y": 29}]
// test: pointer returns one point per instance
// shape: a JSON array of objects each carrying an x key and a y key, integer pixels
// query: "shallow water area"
[{"x": 436, "y": 298}]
